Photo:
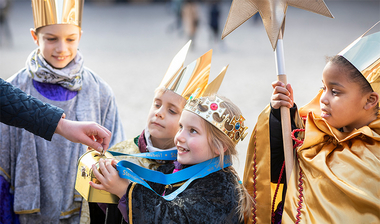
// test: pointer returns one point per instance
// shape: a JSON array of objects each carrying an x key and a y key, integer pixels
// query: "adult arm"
[{"x": 24, "y": 111}]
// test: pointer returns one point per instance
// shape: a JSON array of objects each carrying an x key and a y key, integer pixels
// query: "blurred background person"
[
  {"x": 190, "y": 17},
  {"x": 214, "y": 15},
  {"x": 176, "y": 8},
  {"x": 5, "y": 32}
]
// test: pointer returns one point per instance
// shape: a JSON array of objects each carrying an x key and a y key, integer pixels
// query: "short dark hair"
[{"x": 354, "y": 75}]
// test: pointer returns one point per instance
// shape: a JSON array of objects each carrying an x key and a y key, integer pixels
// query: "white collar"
[{"x": 149, "y": 145}]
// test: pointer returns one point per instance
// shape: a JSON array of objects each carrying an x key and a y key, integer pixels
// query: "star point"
[{"x": 272, "y": 12}]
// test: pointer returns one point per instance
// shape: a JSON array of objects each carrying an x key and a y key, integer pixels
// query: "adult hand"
[
  {"x": 88, "y": 133},
  {"x": 282, "y": 95},
  {"x": 109, "y": 178}
]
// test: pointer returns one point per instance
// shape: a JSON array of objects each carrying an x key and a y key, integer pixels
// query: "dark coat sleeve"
[
  {"x": 276, "y": 142},
  {"x": 212, "y": 199},
  {"x": 24, "y": 111}
]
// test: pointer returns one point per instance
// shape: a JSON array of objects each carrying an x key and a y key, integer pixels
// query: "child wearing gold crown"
[
  {"x": 336, "y": 177},
  {"x": 41, "y": 174},
  {"x": 209, "y": 129},
  {"x": 162, "y": 123}
]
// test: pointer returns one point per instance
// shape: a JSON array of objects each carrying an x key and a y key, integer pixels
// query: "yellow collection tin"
[{"x": 85, "y": 175}]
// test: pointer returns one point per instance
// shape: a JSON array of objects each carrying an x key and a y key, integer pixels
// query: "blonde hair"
[
  {"x": 161, "y": 90},
  {"x": 218, "y": 141}
]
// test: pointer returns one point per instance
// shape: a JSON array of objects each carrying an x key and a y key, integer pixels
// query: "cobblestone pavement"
[{"x": 131, "y": 45}]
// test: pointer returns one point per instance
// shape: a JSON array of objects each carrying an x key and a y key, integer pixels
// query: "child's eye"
[
  {"x": 51, "y": 39},
  {"x": 334, "y": 92},
  {"x": 172, "y": 111},
  {"x": 70, "y": 40},
  {"x": 180, "y": 127},
  {"x": 193, "y": 131},
  {"x": 157, "y": 105},
  {"x": 323, "y": 88}
]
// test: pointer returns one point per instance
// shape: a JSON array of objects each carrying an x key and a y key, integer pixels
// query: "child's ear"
[
  {"x": 372, "y": 101},
  {"x": 80, "y": 35},
  {"x": 217, "y": 151},
  {"x": 34, "y": 35}
]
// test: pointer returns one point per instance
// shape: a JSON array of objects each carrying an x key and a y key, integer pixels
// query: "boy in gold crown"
[
  {"x": 162, "y": 123},
  {"x": 41, "y": 174}
]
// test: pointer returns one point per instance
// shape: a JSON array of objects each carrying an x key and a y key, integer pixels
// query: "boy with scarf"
[{"x": 41, "y": 174}]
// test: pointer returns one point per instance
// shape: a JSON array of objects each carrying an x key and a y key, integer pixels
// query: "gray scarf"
[{"x": 69, "y": 77}]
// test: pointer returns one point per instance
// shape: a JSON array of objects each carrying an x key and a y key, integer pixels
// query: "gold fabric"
[
  {"x": 372, "y": 74},
  {"x": 341, "y": 178},
  {"x": 84, "y": 213},
  {"x": 256, "y": 177},
  {"x": 129, "y": 147}
]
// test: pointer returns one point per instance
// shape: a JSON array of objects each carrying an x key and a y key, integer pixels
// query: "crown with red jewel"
[{"x": 206, "y": 108}]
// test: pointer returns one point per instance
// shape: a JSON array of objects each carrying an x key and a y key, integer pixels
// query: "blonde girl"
[{"x": 217, "y": 197}]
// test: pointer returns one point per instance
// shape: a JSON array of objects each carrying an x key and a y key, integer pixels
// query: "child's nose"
[
  {"x": 324, "y": 99},
  {"x": 179, "y": 136},
  {"x": 160, "y": 113},
  {"x": 61, "y": 46}
]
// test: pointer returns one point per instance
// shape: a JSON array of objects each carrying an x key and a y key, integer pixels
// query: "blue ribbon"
[
  {"x": 139, "y": 174},
  {"x": 162, "y": 155}
]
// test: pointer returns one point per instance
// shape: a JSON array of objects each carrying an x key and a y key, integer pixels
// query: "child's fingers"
[
  {"x": 290, "y": 89},
  {"x": 103, "y": 168},
  {"x": 97, "y": 186},
  {"x": 281, "y": 90},
  {"x": 278, "y": 104},
  {"x": 280, "y": 100},
  {"x": 111, "y": 169},
  {"x": 114, "y": 162},
  {"x": 277, "y": 83},
  {"x": 97, "y": 174}
]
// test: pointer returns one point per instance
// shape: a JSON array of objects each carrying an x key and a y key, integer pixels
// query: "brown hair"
[{"x": 218, "y": 141}]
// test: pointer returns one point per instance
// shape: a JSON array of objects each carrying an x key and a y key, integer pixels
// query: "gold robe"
[
  {"x": 129, "y": 147},
  {"x": 337, "y": 173}
]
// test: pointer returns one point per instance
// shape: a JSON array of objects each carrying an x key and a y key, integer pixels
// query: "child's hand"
[
  {"x": 109, "y": 178},
  {"x": 281, "y": 96}
]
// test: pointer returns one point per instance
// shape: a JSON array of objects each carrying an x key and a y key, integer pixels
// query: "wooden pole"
[{"x": 285, "y": 112}]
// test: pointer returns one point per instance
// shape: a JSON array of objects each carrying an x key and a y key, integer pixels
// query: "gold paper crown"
[
  {"x": 185, "y": 81},
  {"x": 233, "y": 128},
  {"x": 364, "y": 55},
  {"x": 49, "y": 12}
]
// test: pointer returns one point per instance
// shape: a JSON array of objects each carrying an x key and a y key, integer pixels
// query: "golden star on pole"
[{"x": 272, "y": 13}]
